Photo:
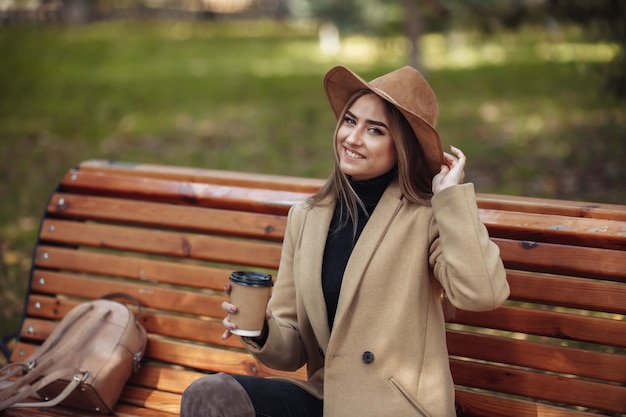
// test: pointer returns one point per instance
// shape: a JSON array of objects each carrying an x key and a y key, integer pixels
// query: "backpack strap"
[
  {"x": 46, "y": 356},
  {"x": 28, "y": 390}
]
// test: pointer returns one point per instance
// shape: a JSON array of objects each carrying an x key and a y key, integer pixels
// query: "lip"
[{"x": 347, "y": 152}]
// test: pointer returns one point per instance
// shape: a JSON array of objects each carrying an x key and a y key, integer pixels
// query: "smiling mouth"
[{"x": 353, "y": 154}]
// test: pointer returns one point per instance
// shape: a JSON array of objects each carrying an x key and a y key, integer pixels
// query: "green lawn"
[{"x": 528, "y": 110}]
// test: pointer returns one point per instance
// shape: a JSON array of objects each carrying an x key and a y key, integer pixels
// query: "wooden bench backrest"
[{"x": 172, "y": 236}]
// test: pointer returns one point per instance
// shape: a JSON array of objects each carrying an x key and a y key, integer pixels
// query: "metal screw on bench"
[{"x": 61, "y": 202}]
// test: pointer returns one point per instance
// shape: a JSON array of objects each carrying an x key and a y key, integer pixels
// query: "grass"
[{"x": 247, "y": 96}]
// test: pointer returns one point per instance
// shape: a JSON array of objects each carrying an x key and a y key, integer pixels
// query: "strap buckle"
[{"x": 81, "y": 377}]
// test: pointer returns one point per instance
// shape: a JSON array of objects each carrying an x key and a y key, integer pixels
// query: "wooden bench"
[{"x": 171, "y": 236}]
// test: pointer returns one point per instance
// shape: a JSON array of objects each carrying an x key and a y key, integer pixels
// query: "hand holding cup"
[{"x": 247, "y": 310}]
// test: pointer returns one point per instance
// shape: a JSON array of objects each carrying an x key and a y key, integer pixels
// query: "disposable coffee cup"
[{"x": 250, "y": 293}]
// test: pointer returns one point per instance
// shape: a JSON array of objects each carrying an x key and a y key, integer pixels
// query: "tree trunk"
[
  {"x": 414, "y": 33},
  {"x": 78, "y": 11}
]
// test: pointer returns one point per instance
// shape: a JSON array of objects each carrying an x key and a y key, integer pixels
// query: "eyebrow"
[{"x": 369, "y": 121}]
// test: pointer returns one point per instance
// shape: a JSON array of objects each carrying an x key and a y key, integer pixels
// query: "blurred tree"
[
  {"x": 77, "y": 11},
  {"x": 605, "y": 20},
  {"x": 380, "y": 16},
  {"x": 414, "y": 29},
  {"x": 414, "y": 12},
  {"x": 493, "y": 15}
]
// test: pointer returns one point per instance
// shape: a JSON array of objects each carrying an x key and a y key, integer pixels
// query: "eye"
[
  {"x": 349, "y": 120},
  {"x": 376, "y": 131}
]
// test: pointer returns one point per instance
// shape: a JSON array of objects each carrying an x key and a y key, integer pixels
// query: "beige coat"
[{"x": 387, "y": 353}]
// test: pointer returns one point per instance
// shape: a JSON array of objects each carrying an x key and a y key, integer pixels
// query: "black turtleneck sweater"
[{"x": 340, "y": 240}]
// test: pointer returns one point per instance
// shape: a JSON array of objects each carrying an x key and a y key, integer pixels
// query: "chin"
[{"x": 350, "y": 171}]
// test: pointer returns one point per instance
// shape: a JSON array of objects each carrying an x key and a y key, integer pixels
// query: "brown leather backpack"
[{"x": 84, "y": 363}]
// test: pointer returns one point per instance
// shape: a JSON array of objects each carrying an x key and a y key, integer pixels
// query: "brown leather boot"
[{"x": 218, "y": 395}]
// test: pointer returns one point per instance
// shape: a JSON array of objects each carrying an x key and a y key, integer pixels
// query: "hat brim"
[{"x": 340, "y": 83}]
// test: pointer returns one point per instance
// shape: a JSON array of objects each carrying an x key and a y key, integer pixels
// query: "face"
[{"x": 364, "y": 143}]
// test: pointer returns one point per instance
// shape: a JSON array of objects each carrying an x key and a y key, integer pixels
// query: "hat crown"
[{"x": 406, "y": 88}]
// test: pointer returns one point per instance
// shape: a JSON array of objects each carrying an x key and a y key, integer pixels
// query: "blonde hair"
[{"x": 415, "y": 183}]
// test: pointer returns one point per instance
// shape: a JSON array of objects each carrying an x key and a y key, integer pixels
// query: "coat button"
[{"x": 367, "y": 357}]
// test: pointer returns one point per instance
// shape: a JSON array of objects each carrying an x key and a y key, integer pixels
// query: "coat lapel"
[
  {"x": 312, "y": 250},
  {"x": 365, "y": 248}
]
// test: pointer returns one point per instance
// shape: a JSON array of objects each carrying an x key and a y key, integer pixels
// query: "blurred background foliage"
[{"x": 532, "y": 90}]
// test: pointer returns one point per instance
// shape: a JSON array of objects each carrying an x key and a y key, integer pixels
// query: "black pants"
[{"x": 276, "y": 398}]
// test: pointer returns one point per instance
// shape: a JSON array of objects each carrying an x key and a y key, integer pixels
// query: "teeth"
[{"x": 353, "y": 154}]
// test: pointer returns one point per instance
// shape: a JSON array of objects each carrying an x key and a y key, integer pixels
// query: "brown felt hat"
[{"x": 405, "y": 88}]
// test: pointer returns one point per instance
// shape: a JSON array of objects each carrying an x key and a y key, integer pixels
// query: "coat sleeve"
[
  {"x": 465, "y": 261},
  {"x": 283, "y": 348}
]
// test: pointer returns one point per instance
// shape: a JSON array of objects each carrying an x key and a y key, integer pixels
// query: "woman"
[{"x": 364, "y": 265}]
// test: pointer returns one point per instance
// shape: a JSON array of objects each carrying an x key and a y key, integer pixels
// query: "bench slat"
[
  {"x": 212, "y": 359},
  {"x": 598, "y": 365},
  {"x": 125, "y": 410},
  {"x": 200, "y": 194},
  {"x": 482, "y": 404},
  {"x": 552, "y": 206},
  {"x": 206, "y": 220},
  {"x": 600, "y": 233},
  {"x": 151, "y": 399},
  {"x": 559, "y": 359},
  {"x": 121, "y": 410},
  {"x": 543, "y": 386},
  {"x": 546, "y": 323},
  {"x": 571, "y": 292},
  {"x": 311, "y": 185},
  {"x": 198, "y": 356},
  {"x": 158, "y": 242},
  {"x": 175, "y": 326},
  {"x": 144, "y": 269},
  {"x": 35, "y": 330},
  {"x": 562, "y": 259},
  {"x": 241, "y": 179},
  {"x": 130, "y": 394},
  {"x": 165, "y": 378},
  {"x": 159, "y": 297},
  {"x": 202, "y": 331}
]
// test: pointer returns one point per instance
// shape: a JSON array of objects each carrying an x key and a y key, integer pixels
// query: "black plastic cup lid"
[{"x": 254, "y": 279}]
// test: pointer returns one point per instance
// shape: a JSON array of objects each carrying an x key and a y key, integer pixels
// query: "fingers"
[
  {"x": 455, "y": 163},
  {"x": 458, "y": 158},
  {"x": 452, "y": 171},
  {"x": 229, "y": 327},
  {"x": 459, "y": 153},
  {"x": 229, "y": 308}
]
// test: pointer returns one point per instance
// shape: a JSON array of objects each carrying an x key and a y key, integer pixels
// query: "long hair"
[{"x": 415, "y": 183}]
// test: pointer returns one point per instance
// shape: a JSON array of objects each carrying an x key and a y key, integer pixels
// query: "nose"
[{"x": 354, "y": 138}]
